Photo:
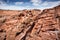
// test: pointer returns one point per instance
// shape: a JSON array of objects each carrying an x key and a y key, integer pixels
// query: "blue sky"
[{"x": 28, "y": 4}]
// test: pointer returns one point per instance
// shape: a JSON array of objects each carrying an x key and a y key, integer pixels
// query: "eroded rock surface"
[{"x": 30, "y": 24}]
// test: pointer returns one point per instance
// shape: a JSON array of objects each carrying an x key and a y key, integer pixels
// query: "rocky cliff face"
[{"x": 30, "y": 24}]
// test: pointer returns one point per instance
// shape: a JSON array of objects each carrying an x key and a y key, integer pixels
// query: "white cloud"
[
  {"x": 12, "y": 7},
  {"x": 36, "y": 2},
  {"x": 2, "y": 3},
  {"x": 43, "y": 5},
  {"x": 51, "y": 3},
  {"x": 46, "y": 3},
  {"x": 19, "y": 3}
]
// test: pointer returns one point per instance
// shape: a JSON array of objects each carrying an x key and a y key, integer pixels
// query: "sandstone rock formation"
[{"x": 30, "y": 24}]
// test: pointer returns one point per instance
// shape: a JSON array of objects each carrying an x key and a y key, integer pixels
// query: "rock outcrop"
[{"x": 30, "y": 24}]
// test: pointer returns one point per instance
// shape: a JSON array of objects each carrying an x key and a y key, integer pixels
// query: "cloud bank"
[{"x": 33, "y": 4}]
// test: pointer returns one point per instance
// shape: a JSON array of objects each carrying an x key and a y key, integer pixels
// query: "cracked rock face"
[{"x": 30, "y": 24}]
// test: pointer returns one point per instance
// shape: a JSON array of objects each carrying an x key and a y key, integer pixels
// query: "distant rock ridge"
[{"x": 30, "y": 24}]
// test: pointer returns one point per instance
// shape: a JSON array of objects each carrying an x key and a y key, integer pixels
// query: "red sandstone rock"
[{"x": 30, "y": 24}]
